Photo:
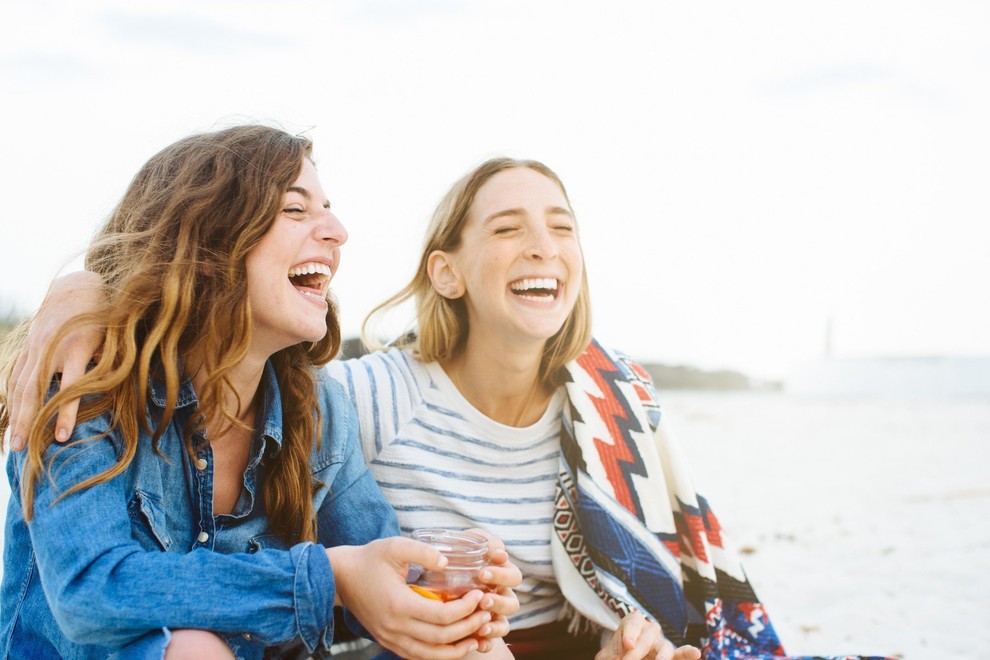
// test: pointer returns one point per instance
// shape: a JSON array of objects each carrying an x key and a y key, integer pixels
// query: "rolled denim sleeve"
[
  {"x": 104, "y": 588},
  {"x": 314, "y": 593}
]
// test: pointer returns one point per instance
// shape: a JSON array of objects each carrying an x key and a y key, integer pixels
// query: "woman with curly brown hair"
[{"x": 212, "y": 500}]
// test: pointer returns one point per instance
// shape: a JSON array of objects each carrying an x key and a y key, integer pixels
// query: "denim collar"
[{"x": 270, "y": 415}]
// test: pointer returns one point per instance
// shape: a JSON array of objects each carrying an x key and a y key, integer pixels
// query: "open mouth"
[
  {"x": 536, "y": 289},
  {"x": 311, "y": 279}
]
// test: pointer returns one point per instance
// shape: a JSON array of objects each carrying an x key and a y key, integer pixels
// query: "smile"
[
  {"x": 311, "y": 279},
  {"x": 536, "y": 289}
]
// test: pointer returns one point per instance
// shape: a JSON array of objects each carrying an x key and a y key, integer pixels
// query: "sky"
[{"x": 744, "y": 175}]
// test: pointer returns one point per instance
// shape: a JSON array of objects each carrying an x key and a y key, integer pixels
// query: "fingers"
[
  {"x": 497, "y": 627},
  {"x": 67, "y": 298},
  {"x": 78, "y": 349},
  {"x": 661, "y": 650},
  {"x": 506, "y": 575},
  {"x": 27, "y": 392},
  {"x": 371, "y": 582},
  {"x": 632, "y": 629},
  {"x": 436, "y": 634},
  {"x": 687, "y": 653},
  {"x": 638, "y": 637},
  {"x": 24, "y": 400},
  {"x": 403, "y": 551},
  {"x": 14, "y": 387},
  {"x": 648, "y": 646},
  {"x": 502, "y": 601},
  {"x": 414, "y": 649},
  {"x": 495, "y": 650},
  {"x": 611, "y": 650},
  {"x": 66, "y": 419},
  {"x": 496, "y": 547}
]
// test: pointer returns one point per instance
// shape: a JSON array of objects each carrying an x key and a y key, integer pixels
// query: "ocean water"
[
  {"x": 935, "y": 377},
  {"x": 863, "y": 520}
]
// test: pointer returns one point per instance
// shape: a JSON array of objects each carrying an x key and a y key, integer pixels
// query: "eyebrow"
[
  {"x": 551, "y": 210},
  {"x": 300, "y": 190}
]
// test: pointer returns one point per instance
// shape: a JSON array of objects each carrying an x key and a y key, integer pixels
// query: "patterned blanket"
[{"x": 632, "y": 532}]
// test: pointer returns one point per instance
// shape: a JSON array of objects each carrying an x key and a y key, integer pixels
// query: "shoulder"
[
  {"x": 638, "y": 381},
  {"x": 601, "y": 356},
  {"x": 328, "y": 387},
  {"x": 394, "y": 360},
  {"x": 394, "y": 370},
  {"x": 337, "y": 420}
]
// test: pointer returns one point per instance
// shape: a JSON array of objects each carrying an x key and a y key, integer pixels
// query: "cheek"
[
  {"x": 483, "y": 265},
  {"x": 494, "y": 259},
  {"x": 575, "y": 260}
]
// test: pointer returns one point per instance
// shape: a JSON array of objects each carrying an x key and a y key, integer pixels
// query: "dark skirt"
[{"x": 551, "y": 641}]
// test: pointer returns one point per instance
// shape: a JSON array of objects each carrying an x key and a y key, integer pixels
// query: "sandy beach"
[{"x": 863, "y": 521}]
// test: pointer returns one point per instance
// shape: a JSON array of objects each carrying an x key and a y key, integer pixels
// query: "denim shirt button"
[
  {"x": 203, "y": 537},
  {"x": 247, "y": 636},
  {"x": 201, "y": 463}
]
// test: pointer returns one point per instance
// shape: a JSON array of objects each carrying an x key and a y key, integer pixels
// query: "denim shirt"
[{"x": 110, "y": 569}]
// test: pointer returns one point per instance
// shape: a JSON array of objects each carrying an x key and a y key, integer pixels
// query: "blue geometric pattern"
[{"x": 617, "y": 550}]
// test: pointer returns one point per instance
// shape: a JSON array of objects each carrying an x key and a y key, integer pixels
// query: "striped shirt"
[{"x": 442, "y": 463}]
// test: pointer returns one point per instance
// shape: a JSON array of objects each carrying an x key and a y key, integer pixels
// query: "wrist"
[{"x": 341, "y": 559}]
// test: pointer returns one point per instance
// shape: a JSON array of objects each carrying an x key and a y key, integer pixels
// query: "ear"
[{"x": 442, "y": 270}]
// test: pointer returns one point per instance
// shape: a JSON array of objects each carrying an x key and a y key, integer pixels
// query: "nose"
[
  {"x": 542, "y": 245},
  {"x": 331, "y": 229}
]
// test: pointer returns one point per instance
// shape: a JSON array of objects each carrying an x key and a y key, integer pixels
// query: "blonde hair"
[
  {"x": 172, "y": 255},
  {"x": 442, "y": 322}
]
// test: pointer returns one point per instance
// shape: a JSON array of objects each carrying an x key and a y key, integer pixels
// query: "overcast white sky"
[{"x": 741, "y": 171}]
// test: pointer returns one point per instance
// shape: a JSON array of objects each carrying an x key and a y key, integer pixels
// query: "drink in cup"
[{"x": 466, "y": 556}]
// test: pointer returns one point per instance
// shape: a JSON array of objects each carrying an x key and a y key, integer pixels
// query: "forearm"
[
  {"x": 273, "y": 595},
  {"x": 103, "y": 585}
]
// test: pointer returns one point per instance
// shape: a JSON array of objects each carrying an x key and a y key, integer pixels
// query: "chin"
[
  {"x": 309, "y": 333},
  {"x": 314, "y": 337},
  {"x": 547, "y": 331}
]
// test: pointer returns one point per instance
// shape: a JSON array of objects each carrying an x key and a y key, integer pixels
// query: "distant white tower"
[{"x": 828, "y": 337}]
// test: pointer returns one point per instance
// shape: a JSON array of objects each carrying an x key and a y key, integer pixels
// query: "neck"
[
  {"x": 504, "y": 385},
  {"x": 244, "y": 380}
]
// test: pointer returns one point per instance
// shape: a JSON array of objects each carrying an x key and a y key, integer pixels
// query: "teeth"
[
  {"x": 549, "y": 283},
  {"x": 310, "y": 268}
]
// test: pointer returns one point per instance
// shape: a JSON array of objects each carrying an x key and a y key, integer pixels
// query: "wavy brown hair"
[
  {"x": 172, "y": 255},
  {"x": 442, "y": 323}
]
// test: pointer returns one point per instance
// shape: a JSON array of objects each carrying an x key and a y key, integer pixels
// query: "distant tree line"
[{"x": 682, "y": 377}]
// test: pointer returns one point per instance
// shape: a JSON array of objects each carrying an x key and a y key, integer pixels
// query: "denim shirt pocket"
[{"x": 148, "y": 524}]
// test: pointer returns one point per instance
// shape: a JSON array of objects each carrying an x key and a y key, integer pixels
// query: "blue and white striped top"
[{"x": 442, "y": 463}]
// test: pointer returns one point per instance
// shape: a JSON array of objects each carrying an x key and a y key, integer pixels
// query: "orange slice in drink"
[{"x": 425, "y": 593}]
